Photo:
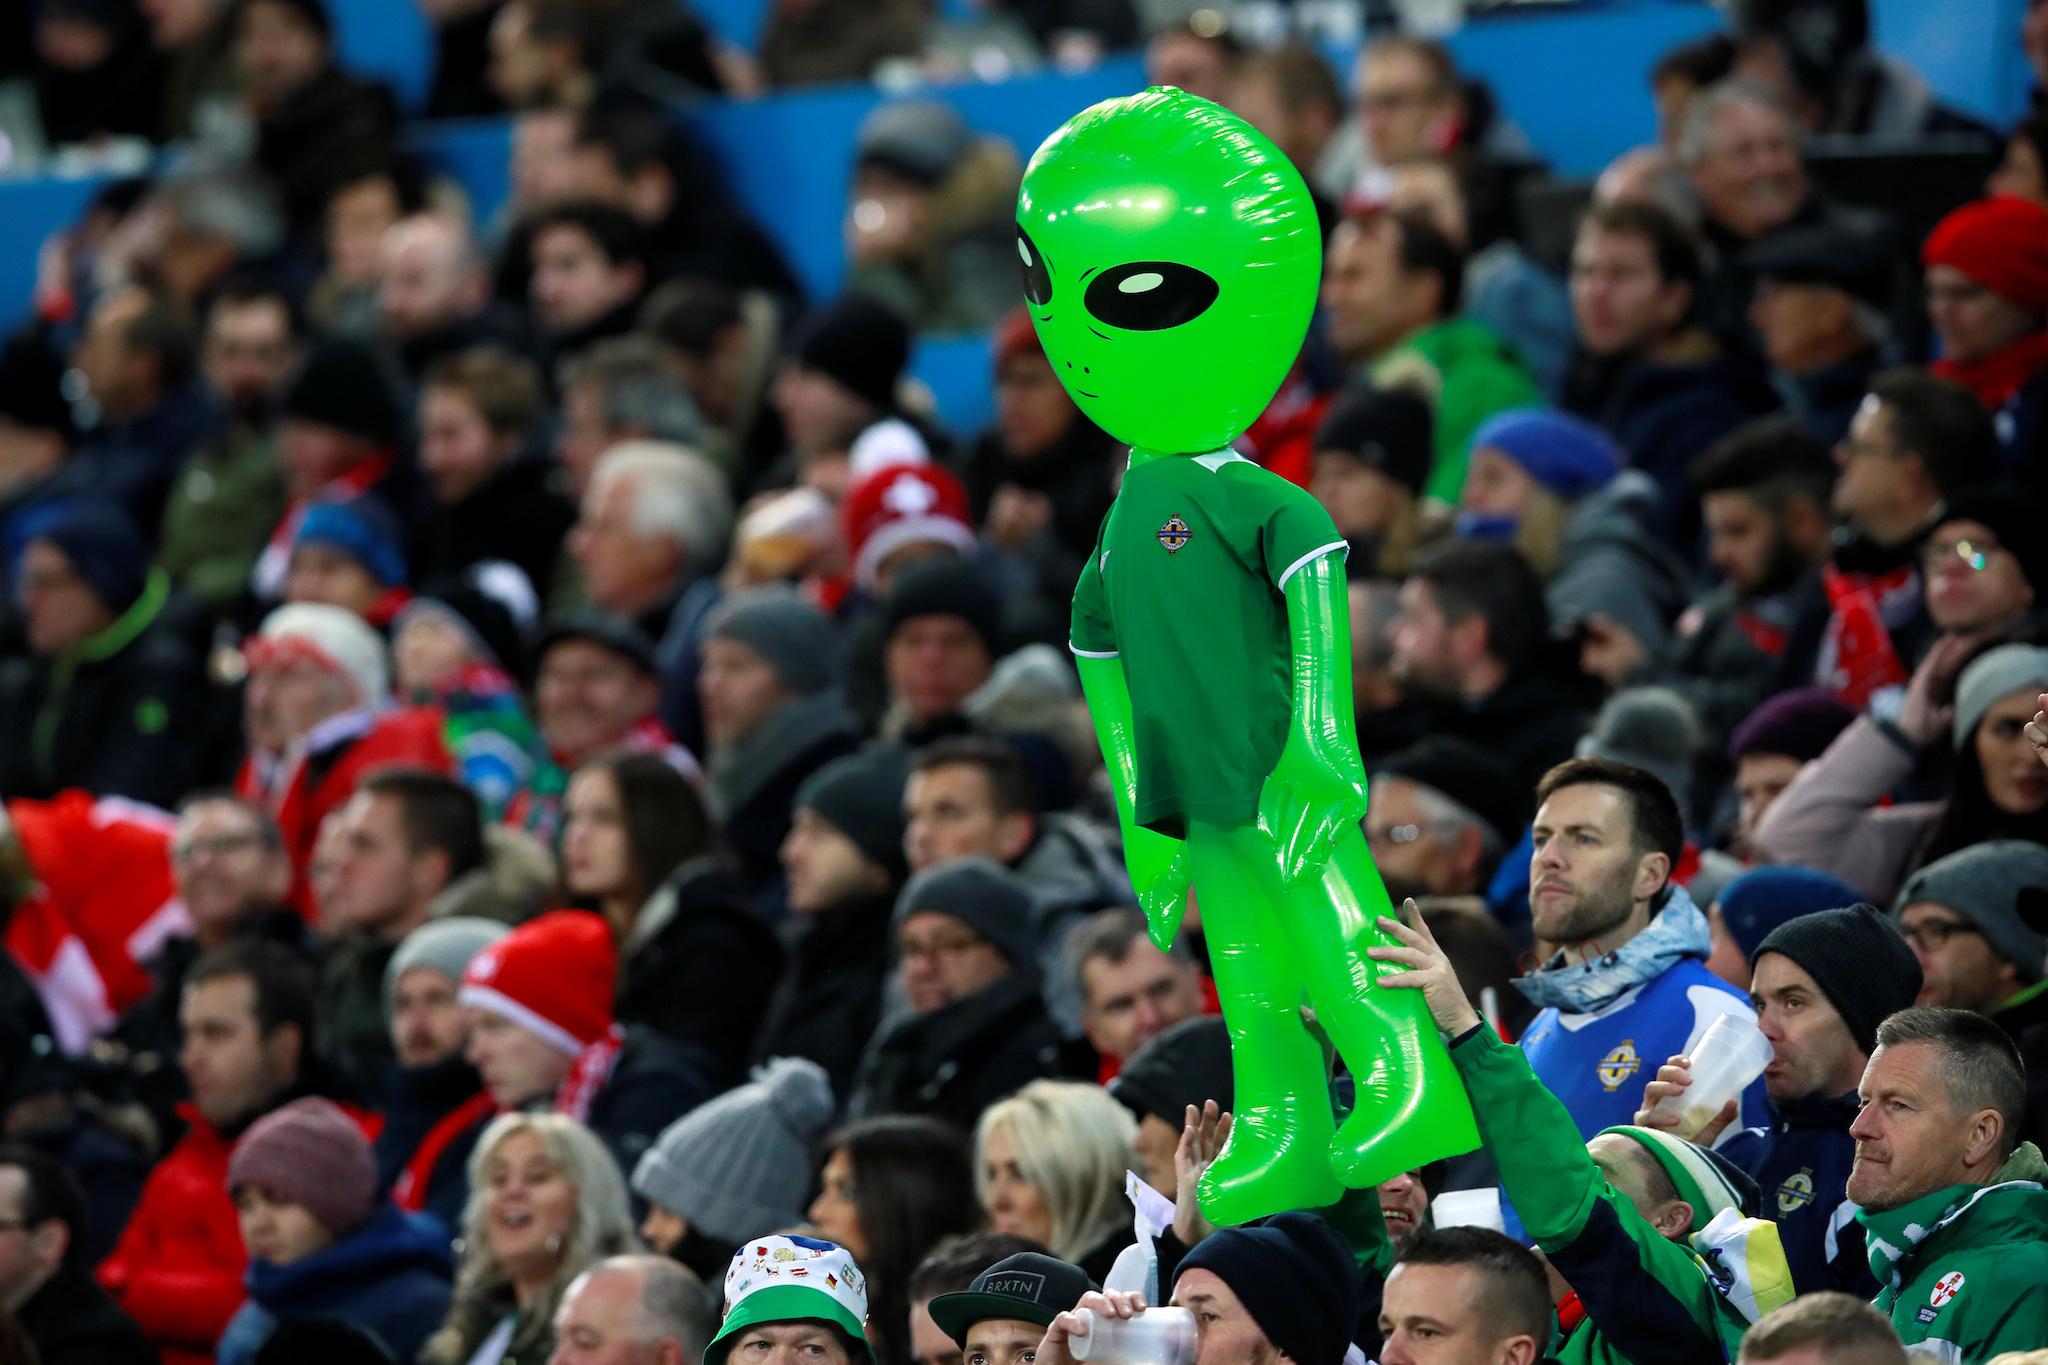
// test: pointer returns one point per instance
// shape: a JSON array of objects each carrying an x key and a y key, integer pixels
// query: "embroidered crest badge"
[
  {"x": 1796, "y": 1193},
  {"x": 1174, "y": 535},
  {"x": 1946, "y": 1288},
  {"x": 1620, "y": 1064}
]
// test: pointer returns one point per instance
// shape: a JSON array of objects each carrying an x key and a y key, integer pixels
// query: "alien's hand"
[
  {"x": 1307, "y": 804},
  {"x": 1163, "y": 894}
]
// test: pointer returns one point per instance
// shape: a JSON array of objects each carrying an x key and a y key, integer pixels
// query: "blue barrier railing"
[{"x": 789, "y": 155}]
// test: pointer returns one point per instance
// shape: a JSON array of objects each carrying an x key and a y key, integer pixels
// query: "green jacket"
[
  {"x": 1648, "y": 1300},
  {"x": 1469, "y": 374},
  {"x": 222, "y": 510},
  {"x": 1965, "y": 1270}
]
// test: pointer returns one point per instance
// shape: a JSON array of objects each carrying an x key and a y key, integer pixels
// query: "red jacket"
[
  {"x": 101, "y": 904},
  {"x": 309, "y": 786},
  {"x": 177, "y": 1269}
]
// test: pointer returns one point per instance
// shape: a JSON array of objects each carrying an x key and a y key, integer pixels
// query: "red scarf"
[
  {"x": 358, "y": 479},
  {"x": 409, "y": 1192},
  {"x": 588, "y": 1073},
  {"x": 1860, "y": 647},
  {"x": 1996, "y": 378}
]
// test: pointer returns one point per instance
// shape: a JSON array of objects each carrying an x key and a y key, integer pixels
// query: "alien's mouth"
[{"x": 1085, "y": 394}]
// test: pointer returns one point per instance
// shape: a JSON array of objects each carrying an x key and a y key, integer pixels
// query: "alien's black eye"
[
  {"x": 1037, "y": 279},
  {"x": 1150, "y": 296}
]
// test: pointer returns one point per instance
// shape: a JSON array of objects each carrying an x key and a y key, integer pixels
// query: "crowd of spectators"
[{"x": 548, "y": 814}]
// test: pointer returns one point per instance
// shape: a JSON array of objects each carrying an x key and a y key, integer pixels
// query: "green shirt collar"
[{"x": 156, "y": 590}]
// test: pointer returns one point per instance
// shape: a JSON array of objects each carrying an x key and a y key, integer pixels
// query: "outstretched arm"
[
  {"x": 1157, "y": 863},
  {"x": 1317, "y": 790}
]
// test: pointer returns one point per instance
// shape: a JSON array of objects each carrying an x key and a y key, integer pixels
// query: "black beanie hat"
[
  {"x": 859, "y": 343},
  {"x": 1186, "y": 1064},
  {"x": 947, "y": 587},
  {"x": 341, "y": 386},
  {"x": 983, "y": 895},
  {"x": 102, "y": 544},
  {"x": 1388, "y": 429},
  {"x": 1858, "y": 960},
  {"x": 861, "y": 796},
  {"x": 1468, "y": 775},
  {"x": 1294, "y": 1275},
  {"x": 32, "y": 388},
  {"x": 490, "y": 622},
  {"x": 2011, "y": 512}
]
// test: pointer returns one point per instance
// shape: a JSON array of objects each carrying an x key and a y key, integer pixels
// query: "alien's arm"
[
  {"x": 1318, "y": 787},
  {"x": 1157, "y": 863}
]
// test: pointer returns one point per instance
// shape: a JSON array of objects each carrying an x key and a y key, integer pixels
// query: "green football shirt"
[{"x": 1185, "y": 586}]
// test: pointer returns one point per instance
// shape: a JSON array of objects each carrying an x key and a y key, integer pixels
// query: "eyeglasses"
[
  {"x": 1394, "y": 836},
  {"x": 186, "y": 850},
  {"x": 1930, "y": 934},
  {"x": 948, "y": 946},
  {"x": 1975, "y": 553}
]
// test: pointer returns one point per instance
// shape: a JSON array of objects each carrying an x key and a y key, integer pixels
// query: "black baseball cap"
[
  {"x": 603, "y": 629},
  {"x": 1027, "y": 1287}
]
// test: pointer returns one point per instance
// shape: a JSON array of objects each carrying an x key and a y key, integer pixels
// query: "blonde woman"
[
  {"x": 546, "y": 1203},
  {"x": 1049, "y": 1164}
]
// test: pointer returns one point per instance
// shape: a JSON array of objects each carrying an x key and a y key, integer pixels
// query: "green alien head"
[{"x": 1171, "y": 255}]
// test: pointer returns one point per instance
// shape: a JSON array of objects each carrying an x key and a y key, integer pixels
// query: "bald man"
[
  {"x": 633, "y": 1310},
  {"x": 434, "y": 292}
]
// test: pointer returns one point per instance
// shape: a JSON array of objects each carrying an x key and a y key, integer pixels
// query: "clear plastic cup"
[
  {"x": 1467, "y": 1208},
  {"x": 1729, "y": 1056},
  {"x": 1156, "y": 1336}
]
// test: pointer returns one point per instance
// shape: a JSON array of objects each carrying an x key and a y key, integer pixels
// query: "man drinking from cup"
[
  {"x": 1283, "y": 1287},
  {"x": 1822, "y": 984}
]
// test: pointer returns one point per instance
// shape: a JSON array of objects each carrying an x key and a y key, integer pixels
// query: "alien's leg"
[
  {"x": 1278, "y": 1154},
  {"x": 1411, "y": 1107}
]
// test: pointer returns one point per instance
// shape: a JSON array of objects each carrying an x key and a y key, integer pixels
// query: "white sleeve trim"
[
  {"x": 1305, "y": 560},
  {"x": 1079, "y": 652}
]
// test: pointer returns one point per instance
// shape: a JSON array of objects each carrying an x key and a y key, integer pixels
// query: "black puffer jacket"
[{"x": 696, "y": 967}]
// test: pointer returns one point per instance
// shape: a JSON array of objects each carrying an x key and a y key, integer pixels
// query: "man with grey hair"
[
  {"x": 1952, "y": 1204},
  {"x": 655, "y": 518},
  {"x": 620, "y": 390},
  {"x": 1827, "y": 1328},
  {"x": 634, "y": 1310},
  {"x": 1739, "y": 145}
]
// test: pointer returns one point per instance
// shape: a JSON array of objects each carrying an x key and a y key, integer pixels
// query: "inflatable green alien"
[{"x": 1171, "y": 256}]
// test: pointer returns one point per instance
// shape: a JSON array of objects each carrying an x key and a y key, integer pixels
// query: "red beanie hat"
[
  {"x": 899, "y": 504},
  {"x": 2001, "y": 243},
  {"x": 553, "y": 976},
  {"x": 1017, "y": 337}
]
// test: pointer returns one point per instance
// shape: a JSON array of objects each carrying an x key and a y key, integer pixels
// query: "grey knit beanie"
[
  {"x": 1652, "y": 728},
  {"x": 1994, "y": 674},
  {"x": 787, "y": 631},
  {"x": 739, "y": 1166},
  {"x": 446, "y": 945},
  {"x": 1982, "y": 883}
]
